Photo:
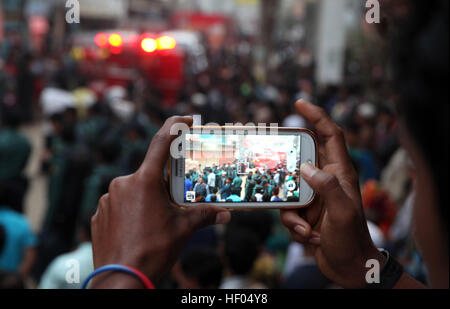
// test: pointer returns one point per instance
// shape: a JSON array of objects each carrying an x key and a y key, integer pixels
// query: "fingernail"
[
  {"x": 223, "y": 217},
  {"x": 300, "y": 230},
  {"x": 308, "y": 170}
]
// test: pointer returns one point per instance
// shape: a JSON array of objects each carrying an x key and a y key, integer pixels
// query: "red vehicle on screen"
[{"x": 269, "y": 161}]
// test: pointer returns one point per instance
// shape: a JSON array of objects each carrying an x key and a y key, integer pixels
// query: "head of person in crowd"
[
  {"x": 420, "y": 49},
  {"x": 134, "y": 131},
  {"x": 275, "y": 191},
  {"x": 70, "y": 116},
  {"x": 241, "y": 248},
  {"x": 199, "y": 268},
  {"x": 108, "y": 151},
  {"x": 188, "y": 176},
  {"x": 10, "y": 118},
  {"x": 259, "y": 222},
  {"x": 351, "y": 129},
  {"x": 57, "y": 121}
]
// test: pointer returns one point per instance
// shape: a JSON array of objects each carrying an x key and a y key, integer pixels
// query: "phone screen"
[{"x": 242, "y": 168}]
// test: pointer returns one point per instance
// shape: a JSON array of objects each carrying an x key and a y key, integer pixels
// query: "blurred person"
[
  {"x": 198, "y": 268},
  {"x": 378, "y": 206},
  {"x": 241, "y": 248},
  {"x": 212, "y": 196},
  {"x": 201, "y": 188},
  {"x": 134, "y": 140},
  {"x": 222, "y": 180},
  {"x": 364, "y": 159},
  {"x": 25, "y": 87},
  {"x": 211, "y": 180},
  {"x": 8, "y": 280},
  {"x": 249, "y": 185},
  {"x": 187, "y": 184},
  {"x": 107, "y": 154},
  {"x": 15, "y": 150},
  {"x": 55, "y": 276},
  {"x": 235, "y": 196},
  {"x": 259, "y": 194},
  {"x": 69, "y": 166},
  {"x": 225, "y": 192},
  {"x": 237, "y": 184},
  {"x": 396, "y": 176},
  {"x": 19, "y": 248},
  {"x": 305, "y": 274},
  {"x": 386, "y": 138},
  {"x": 275, "y": 198}
]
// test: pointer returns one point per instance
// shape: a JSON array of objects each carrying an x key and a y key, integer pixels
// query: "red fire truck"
[{"x": 117, "y": 57}]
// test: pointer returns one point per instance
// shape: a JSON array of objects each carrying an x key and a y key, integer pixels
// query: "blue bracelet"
[{"x": 112, "y": 267}]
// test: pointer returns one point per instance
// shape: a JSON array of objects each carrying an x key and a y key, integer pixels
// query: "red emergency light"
[
  {"x": 115, "y": 40},
  {"x": 101, "y": 40},
  {"x": 166, "y": 42},
  {"x": 148, "y": 44}
]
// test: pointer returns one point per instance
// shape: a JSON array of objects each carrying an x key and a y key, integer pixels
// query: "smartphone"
[{"x": 239, "y": 168}]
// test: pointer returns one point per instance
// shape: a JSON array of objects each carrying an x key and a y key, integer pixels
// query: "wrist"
[
  {"x": 356, "y": 277},
  {"x": 115, "y": 280}
]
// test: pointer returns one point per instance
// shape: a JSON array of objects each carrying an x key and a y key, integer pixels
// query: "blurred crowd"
[{"x": 87, "y": 145}]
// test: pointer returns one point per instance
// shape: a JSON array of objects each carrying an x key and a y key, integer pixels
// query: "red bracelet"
[{"x": 144, "y": 279}]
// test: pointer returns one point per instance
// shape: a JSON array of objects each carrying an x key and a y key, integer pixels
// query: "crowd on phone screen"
[
  {"x": 87, "y": 146},
  {"x": 225, "y": 183}
]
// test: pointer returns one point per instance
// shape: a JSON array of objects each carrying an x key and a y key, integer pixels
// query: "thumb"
[
  {"x": 202, "y": 216},
  {"x": 326, "y": 184}
]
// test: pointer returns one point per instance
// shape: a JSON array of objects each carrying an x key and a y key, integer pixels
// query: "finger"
[
  {"x": 336, "y": 150},
  {"x": 314, "y": 241},
  {"x": 322, "y": 159},
  {"x": 295, "y": 223},
  {"x": 327, "y": 185},
  {"x": 298, "y": 238},
  {"x": 158, "y": 153},
  {"x": 203, "y": 216}
]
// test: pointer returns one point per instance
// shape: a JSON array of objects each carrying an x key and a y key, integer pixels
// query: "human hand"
[
  {"x": 334, "y": 226},
  {"x": 137, "y": 224}
]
